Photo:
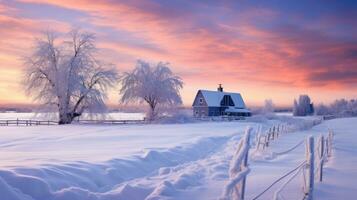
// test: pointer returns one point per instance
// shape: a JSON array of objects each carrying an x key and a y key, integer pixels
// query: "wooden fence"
[
  {"x": 25, "y": 122},
  {"x": 21, "y": 122}
]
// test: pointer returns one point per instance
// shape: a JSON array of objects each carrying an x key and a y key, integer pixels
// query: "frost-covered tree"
[
  {"x": 67, "y": 75},
  {"x": 339, "y": 106},
  {"x": 303, "y": 107},
  {"x": 155, "y": 85},
  {"x": 269, "y": 106}
]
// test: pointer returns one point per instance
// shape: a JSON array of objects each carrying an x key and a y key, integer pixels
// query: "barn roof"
[{"x": 214, "y": 98}]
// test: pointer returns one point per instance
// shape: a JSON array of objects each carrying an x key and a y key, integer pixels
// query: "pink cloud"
[{"x": 203, "y": 46}]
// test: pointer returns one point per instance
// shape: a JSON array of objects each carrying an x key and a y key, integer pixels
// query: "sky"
[{"x": 262, "y": 49}]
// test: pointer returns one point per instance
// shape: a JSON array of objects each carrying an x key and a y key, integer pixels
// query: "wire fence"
[
  {"x": 310, "y": 169},
  {"x": 238, "y": 170}
]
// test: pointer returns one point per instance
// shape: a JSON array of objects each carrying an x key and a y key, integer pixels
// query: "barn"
[{"x": 219, "y": 103}]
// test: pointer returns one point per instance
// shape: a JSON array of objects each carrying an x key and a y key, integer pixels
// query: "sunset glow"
[{"x": 270, "y": 49}]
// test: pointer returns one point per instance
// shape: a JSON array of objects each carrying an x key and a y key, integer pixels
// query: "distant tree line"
[{"x": 338, "y": 108}]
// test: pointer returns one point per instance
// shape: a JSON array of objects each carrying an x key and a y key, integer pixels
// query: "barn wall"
[
  {"x": 214, "y": 111},
  {"x": 200, "y": 111},
  {"x": 196, "y": 102}
]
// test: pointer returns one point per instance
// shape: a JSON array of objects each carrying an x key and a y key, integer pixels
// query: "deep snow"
[{"x": 185, "y": 161}]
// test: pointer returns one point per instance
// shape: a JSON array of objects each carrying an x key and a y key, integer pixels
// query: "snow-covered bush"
[
  {"x": 155, "y": 85},
  {"x": 303, "y": 107},
  {"x": 68, "y": 76}
]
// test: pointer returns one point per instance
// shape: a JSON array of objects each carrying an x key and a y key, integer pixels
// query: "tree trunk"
[
  {"x": 67, "y": 118},
  {"x": 64, "y": 119},
  {"x": 152, "y": 114}
]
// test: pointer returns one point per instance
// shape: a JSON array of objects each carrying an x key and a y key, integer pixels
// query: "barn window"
[
  {"x": 196, "y": 113},
  {"x": 227, "y": 101},
  {"x": 201, "y": 100}
]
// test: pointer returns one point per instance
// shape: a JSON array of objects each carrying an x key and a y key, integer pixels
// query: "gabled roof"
[{"x": 214, "y": 98}]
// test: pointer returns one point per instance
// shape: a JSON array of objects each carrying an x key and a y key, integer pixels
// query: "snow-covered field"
[{"x": 185, "y": 161}]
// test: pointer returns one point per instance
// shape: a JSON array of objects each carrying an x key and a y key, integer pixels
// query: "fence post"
[
  {"x": 245, "y": 163},
  {"x": 310, "y": 165},
  {"x": 258, "y": 141},
  {"x": 273, "y": 138},
  {"x": 329, "y": 142},
  {"x": 17, "y": 121},
  {"x": 322, "y": 149}
]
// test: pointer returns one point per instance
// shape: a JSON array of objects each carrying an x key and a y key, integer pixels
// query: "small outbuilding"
[{"x": 219, "y": 103}]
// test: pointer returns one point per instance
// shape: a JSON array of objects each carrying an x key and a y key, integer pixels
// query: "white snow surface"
[{"x": 181, "y": 161}]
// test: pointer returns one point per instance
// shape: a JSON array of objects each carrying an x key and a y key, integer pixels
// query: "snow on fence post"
[
  {"x": 273, "y": 134},
  {"x": 258, "y": 141},
  {"x": 310, "y": 164},
  {"x": 329, "y": 143},
  {"x": 321, "y": 156},
  {"x": 245, "y": 161},
  {"x": 238, "y": 170}
]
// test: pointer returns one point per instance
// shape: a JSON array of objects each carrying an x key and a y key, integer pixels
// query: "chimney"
[{"x": 220, "y": 88}]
